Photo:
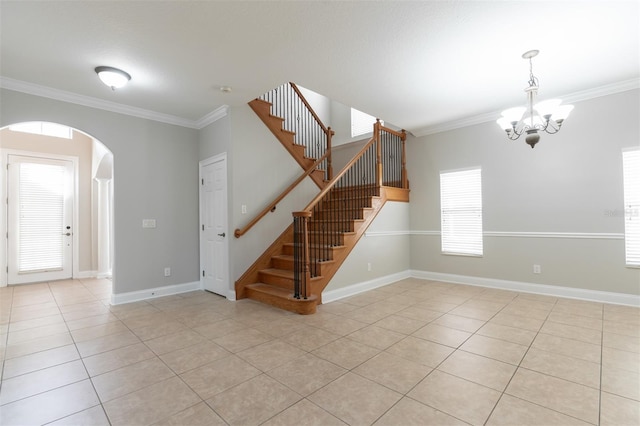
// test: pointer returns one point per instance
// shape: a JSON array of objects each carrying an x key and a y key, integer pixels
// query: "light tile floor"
[{"x": 412, "y": 353}]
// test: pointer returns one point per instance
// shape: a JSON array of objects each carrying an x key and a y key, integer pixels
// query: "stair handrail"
[
  {"x": 272, "y": 206},
  {"x": 337, "y": 177}
]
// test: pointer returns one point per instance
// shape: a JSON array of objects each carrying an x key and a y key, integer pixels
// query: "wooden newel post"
[
  {"x": 301, "y": 269},
  {"x": 405, "y": 183},
  {"x": 376, "y": 136},
  {"x": 330, "y": 134}
]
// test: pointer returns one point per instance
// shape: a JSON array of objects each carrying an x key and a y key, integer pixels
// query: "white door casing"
[
  {"x": 214, "y": 247},
  {"x": 40, "y": 218}
]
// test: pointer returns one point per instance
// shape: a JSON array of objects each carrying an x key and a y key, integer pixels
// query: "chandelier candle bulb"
[{"x": 548, "y": 116}]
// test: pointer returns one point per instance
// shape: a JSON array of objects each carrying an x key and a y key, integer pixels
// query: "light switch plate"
[{"x": 148, "y": 223}]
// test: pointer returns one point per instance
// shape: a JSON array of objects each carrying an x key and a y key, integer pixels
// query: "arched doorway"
[{"x": 88, "y": 230}]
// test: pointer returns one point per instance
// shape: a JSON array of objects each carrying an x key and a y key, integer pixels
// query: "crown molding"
[
  {"x": 91, "y": 102},
  {"x": 212, "y": 117},
  {"x": 583, "y": 95}
]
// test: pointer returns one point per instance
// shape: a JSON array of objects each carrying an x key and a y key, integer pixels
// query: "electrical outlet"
[
  {"x": 537, "y": 269},
  {"x": 244, "y": 209},
  {"x": 167, "y": 272},
  {"x": 368, "y": 266}
]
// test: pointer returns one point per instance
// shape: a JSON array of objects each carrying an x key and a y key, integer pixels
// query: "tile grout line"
[
  {"x": 548, "y": 375},
  {"x": 81, "y": 358}
]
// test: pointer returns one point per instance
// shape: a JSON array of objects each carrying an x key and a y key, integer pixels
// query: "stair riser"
[
  {"x": 286, "y": 264},
  {"x": 351, "y": 195},
  {"x": 275, "y": 280},
  {"x": 332, "y": 214},
  {"x": 344, "y": 192},
  {"x": 288, "y": 250},
  {"x": 346, "y": 226},
  {"x": 327, "y": 239},
  {"x": 349, "y": 204}
]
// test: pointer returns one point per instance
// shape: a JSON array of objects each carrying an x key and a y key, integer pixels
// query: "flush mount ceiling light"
[
  {"x": 113, "y": 77},
  {"x": 546, "y": 116}
]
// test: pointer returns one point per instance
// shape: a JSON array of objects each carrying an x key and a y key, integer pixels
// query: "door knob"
[
  {"x": 67, "y": 234},
  {"x": 222, "y": 235}
]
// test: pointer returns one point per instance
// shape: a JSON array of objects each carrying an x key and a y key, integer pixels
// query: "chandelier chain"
[{"x": 533, "y": 81}]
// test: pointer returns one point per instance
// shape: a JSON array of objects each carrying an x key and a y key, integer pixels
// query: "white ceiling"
[{"x": 418, "y": 65}]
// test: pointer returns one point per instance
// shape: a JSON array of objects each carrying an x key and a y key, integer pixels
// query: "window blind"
[
  {"x": 461, "y": 212},
  {"x": 41, "y": 195},
  {"x": 361, "y": 123},
  {"x": 631, "y": 179}
]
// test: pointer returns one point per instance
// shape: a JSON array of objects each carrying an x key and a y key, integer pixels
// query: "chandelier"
[{"x": 546, "y": 116}]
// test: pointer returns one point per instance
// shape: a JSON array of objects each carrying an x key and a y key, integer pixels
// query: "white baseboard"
[
  {"x": 523, "y": 287},
  {"x": 152, "y": 293},
  {"x": 231, "y": 295},
  {"x": 340, "y": 293}
]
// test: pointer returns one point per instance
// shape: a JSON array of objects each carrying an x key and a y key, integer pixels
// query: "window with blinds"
[
  {"x": 41, "y": 195},
  {"x": 361, "y": 123},
  {"x": 461, "y": 212},
  {"x": 631, "y": 179}
]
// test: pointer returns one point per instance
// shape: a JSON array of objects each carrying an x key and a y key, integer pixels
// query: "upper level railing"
[
  {"x": 288, "y": 102},
  {"x": 323, "y": 224}
]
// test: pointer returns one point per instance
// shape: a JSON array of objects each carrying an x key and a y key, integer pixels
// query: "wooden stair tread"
[
  {"x": 318, "y": 245},
  {"x": 278, "y": 272},
  {"x": 282, "y": 298},
  {"x": 283, "y": 273},
  {"x": 290, "y": 258},
  {"x": 314, "y": 220}
]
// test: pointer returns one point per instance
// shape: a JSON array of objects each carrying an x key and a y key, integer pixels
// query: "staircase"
[
  {"x": 290, "y": 118},
  {"x": 292, "y": 273}
]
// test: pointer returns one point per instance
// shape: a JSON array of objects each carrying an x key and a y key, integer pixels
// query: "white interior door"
[
  {"x": 213, "y": 219},
  {"x": 40, "y": 219}
]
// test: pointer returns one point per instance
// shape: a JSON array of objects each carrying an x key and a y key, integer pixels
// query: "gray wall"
[
  {"x": 385, "y": 246},
  {"x": 568, "y": 184},
  {"x": 155, "y": 177},
  {"x": 261, "y": 168}
]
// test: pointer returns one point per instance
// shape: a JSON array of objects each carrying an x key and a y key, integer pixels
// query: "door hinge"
[
  {"x": 202, "y": 272},
  {"x": 203, "y": 181},
  {"x": 203, "y": 226}
]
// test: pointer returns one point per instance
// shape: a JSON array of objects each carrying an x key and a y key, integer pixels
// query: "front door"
[
  {"x": 40, "y": 212},
  {"x": 213, "y": 225}
]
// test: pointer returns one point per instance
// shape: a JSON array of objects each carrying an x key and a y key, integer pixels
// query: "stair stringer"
[{"x": 274, "y": 124}]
